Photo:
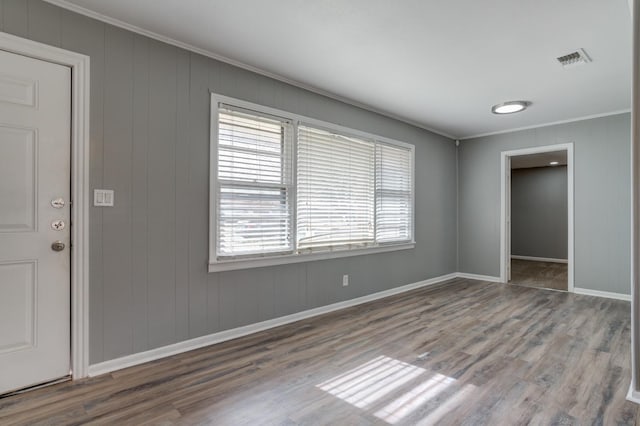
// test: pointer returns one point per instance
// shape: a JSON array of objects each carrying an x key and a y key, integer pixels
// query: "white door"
[{"x": 35, "y": 114}]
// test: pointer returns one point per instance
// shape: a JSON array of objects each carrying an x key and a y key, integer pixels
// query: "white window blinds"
[
  {"x": 394, "y": 189},
  {"x": 335, "y": 191},
  {"x": 254, "y": 194},
  {"x": 286, "y": 187}
]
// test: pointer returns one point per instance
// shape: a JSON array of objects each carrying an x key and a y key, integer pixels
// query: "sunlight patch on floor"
[
  {"x": 407, "y": 403},
  {"x": 369, "y": 383}
]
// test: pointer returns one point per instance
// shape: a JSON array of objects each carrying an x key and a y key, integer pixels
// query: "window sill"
[{"x": 230, "y": 265}]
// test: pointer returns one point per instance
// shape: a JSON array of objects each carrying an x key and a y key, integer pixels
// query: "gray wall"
[
  {"x": 539, "y": 212},
  {"x": 150, "y": 143},
  {"x": 601, "y": 199}
]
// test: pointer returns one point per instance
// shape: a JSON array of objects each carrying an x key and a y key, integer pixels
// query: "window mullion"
[
  {"x": 249, "y": 150},
  {"x": 249, "y": 184},
  {"x": 375, "y": 193},
  {"x": 294, "y": 183}
]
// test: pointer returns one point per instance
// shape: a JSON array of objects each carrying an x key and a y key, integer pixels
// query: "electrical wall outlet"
[{"x": 345, "y": 280}]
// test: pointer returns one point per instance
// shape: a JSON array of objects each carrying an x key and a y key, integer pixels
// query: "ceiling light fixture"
[
  {"x": 510, "y": 107},
  {"x": 554, "y": 163}
]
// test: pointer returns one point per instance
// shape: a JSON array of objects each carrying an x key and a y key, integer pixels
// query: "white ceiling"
[
  {"x": 440, "y": 64},
  {"x": 541, "y": 159}
]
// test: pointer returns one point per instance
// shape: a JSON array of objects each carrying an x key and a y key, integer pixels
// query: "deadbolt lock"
[
  {"x": 57, "y": 203},
  {"x": 57, "y": 246},
  {"x": 58, "y": 225}
]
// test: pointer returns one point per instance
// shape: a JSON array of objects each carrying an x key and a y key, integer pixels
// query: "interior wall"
[
  {"x": 539, "y": 224},
  {"x": 601, "y": 199},
  {"x": 149, "y": 285}
]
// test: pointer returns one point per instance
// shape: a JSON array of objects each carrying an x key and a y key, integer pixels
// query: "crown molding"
[
  {"x": 552, "y": 123},
  {"x": 209, "y": 54}
]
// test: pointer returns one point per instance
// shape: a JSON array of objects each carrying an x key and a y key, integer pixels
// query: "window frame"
[
  {"x": 412, "y": 196},
  {"x": 218, "y": 265},
  {"x": 290, "y": 187}
]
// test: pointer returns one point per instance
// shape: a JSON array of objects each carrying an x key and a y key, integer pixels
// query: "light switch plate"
[{"x": 103, "y": 197}]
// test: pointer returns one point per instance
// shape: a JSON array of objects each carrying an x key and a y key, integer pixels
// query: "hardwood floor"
[
  {"x": 539, "y": 274},
  {"x": 468, "y": 352}
]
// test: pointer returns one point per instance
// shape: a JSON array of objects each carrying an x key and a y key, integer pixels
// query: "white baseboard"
[
  {"x": 632, "y": 395},
  {"x": 478, "y": 277},
  {"x": 199, "y": 342},
  {"x": 539, "y": 259},
  {"x": 598, "y": 293}
]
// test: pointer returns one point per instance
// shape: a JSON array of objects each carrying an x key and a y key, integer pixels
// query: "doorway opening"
[{"x": 536, "y": 243}]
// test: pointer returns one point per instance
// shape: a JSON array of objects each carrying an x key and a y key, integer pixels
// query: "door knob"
[{"x": 57, "y": 246}]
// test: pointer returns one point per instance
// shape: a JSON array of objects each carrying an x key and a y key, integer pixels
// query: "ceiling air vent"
[{"x": 574, "y": 58}]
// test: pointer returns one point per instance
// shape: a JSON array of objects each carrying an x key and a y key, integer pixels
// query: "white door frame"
[
  {"x": 79, "y": 65},
  {"x": 504, "y": 231},
  {"x": 634, "y": 387}
]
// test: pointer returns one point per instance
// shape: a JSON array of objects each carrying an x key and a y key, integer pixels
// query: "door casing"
[
  {"x": 505, "y": 207},
  {"x": 79, "y": 65}
]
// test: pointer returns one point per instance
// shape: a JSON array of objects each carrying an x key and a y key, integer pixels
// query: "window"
[
  {"x": 288, "y": 188},
  {"x": 254, "y": 184},
  {"x": 336, "y": 200},
  {"x": 394, "y": 193}
]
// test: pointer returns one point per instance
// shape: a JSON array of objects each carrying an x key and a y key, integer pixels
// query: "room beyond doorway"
[
  {"x": 539, "y": 220},
  {"x": 537, "y": 217}
]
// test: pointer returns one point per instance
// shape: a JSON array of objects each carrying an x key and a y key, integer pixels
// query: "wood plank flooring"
[
  {"x": 539, "y": 274},
  {"x": 468, "y": 352}
]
